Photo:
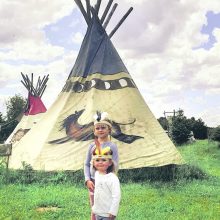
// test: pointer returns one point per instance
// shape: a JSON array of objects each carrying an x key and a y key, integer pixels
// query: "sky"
[{"x": 170, "y": 48}]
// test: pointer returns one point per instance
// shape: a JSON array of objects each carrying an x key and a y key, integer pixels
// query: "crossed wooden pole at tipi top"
[
  {"x": 40, "y": 87},
  {"x": 104, "y": 19}
]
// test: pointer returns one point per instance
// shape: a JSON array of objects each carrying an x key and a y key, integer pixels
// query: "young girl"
[
  {"x": 101, "y": 145},
  {"x": 107, "y": 192}
]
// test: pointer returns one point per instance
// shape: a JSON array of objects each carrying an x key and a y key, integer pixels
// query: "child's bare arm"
[{"x": 90, "y": 184}]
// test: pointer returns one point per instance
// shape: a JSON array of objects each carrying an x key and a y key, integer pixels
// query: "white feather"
[
  {"x": 95, "y": 117},
  {"x": 104, "y": 116}
]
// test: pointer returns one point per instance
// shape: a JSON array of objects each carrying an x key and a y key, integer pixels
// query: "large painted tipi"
[
  {"x": 34, "y": 109},
  {"x": 99, "y": 81}
]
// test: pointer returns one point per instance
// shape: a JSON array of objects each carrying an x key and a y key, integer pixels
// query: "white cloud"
[
  {"x": 58, "y": 71},
  {"x": 77, "y": 38},
  {"x": 32, "y": 51},
  {"x": 213, "y": 91},
  {"x": 161, "y": 58},
  {"x": 23, "y": 19},
  {"x": 210, "y": 116},
  {"x": 216, "y": 34},
  {"x": 24, "y": 45}
]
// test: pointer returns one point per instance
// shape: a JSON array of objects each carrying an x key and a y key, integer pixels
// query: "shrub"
[
  {"x": 215, "y": 135},
  {"x": 180, "y": 131},
  {"x": 163, "y": 122},
  {"x": 198, "y": 127}
]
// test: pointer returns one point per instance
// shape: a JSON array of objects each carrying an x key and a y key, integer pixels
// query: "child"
[
  {"x": 101, "y": 145},
  {"x": 107, "y": 192}
]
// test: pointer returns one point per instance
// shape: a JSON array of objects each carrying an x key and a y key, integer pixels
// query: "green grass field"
[{"x": 186, "y": 196}]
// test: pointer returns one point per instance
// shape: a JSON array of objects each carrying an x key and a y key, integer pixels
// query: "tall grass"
[
  {"x": 204, "y": 155},
  {"x": 184, "y": 192}
]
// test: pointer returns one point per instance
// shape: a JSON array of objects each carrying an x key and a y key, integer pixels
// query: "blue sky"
[
  {"x": 213, "y": 21},
  {"x": 60, "y": 32},
  {"x": 173, "y": 57}
]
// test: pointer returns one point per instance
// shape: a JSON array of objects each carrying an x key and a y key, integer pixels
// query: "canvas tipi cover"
[
  {"x": 98, "y": 81},
  {"x": 34, "y": 108}
]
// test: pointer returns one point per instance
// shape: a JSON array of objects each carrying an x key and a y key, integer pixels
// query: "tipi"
[
  {"x": 98, "y": 81},
  {"x": 34, "y": 108}
]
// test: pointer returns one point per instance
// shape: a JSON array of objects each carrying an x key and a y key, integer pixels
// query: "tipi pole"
[
  {"x": 88, "y": 6},
  {"x": 110, "y": 15},
  {"x": 32, "y": 81},
  {"x": 32, "y": 90},
  {"x": 42, "y": 86},
  {"x": 25, "y": 85},
  {"x": 80, "y": 5},
  {"x": 38, "y": 83},
  {"x": 42, "y": 90},
  {"x": 106, "y": 11},
  {"x": 97, "y": 6},
  {"x": 27, "y": 82},
  {"x": 42, "y": 81},
  {"x": 120, "y": 22}
]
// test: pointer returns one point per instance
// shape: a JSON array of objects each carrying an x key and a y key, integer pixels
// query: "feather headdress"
[{"x": 102, "y": 118}]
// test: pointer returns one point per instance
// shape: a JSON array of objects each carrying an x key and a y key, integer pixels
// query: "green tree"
[
  {"x": 199, "y": 128},
  {"x": 2, "y": 122},
  {"x": 180, "y": 129},
  {"x": 163, "y": 122},
  {"x": 14, "y": 107},
  {"x": 215, "y": 136}
]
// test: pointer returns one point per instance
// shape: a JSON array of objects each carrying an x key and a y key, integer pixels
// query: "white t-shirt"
[{"x": 107, "y": 194}]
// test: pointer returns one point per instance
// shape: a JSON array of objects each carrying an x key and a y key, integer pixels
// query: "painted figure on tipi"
[{"x": 99, "y": 81}]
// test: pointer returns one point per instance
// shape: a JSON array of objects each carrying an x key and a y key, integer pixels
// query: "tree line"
[{"x": 180, "y": 128}]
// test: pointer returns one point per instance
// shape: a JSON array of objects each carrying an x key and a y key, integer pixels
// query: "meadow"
[{"x": 191, "y": 191}]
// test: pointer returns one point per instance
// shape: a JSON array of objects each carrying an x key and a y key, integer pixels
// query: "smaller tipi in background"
[{"x": 34, "y": 108}]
